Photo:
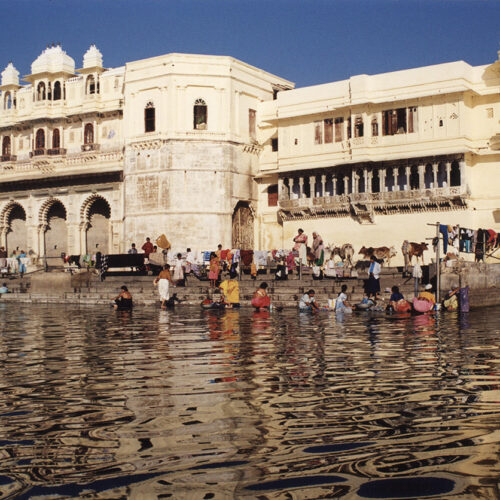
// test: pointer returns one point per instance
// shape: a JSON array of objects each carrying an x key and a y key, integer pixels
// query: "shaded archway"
[
  {"x": 428, "y": 176},
  {"x": 15, "y": 222},
  {"x": 97, "y": 215},
  {"x": 243, "y": 222},
  {"x": 56, "y": 231},
  {"x": 414, "y": 177},
  {"x": 455, "y": 179}
]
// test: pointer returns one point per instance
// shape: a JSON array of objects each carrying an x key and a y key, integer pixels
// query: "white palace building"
[{"x": 208, "y": 150}]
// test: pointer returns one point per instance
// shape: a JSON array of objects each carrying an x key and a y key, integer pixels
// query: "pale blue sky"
[{"x": 306, "y": 41}]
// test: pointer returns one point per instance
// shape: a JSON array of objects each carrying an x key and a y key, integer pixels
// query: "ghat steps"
[{"x": 87, "y": 289}]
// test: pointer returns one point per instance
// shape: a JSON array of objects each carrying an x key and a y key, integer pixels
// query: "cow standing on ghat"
[
  {"x": 410, "y": 249},
  {"x": 345, "y": 252},
  {"x": 380, "y": 253}
]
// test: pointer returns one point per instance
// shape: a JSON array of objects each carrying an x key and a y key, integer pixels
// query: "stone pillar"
[
  {"x": 421, "y": 175},
  {"x": 41, "y": 239},
  {"x": 395, "y": 176},
  {"x": 301, "y": 187},
  {"x": 334, "y": 184},
  {"x": 354, "y": 181},
  {"x": 381, "y": 175},
  {"x": 368, "y": 181},
  {"x": 435, "y": 175},
  {"x": 323, "y": 185},
  {"x": 365, "y": 177},
  {"x": 291, "y": 181},
  {"x": 312, "y": 186},
  {"x": 448, "y": 170},
  {"x": 346, "y": 184},
  {"x": 461, "y": 165},
  {"x": 407, "y": 172}
]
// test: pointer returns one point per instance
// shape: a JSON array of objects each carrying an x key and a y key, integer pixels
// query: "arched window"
[
  {"x": 7, "y": 103},
  {"x": 40, "y": 90},
  {"x": 57, "y": 91},
  {"x": 40, "y": 139},
  {"x": 90, "y": 86},
  {"x": 149, "y": 117},
  {"x": 88, "y": 134},
  {"x": 428, "y": 176},
  {"x": 56, "y": 139},
  {"x": 414, "y": 178},
  {"x": 200, "y": 114},
  {"x": 6, "y": 146},
  {"x": 374, "y": 127}
]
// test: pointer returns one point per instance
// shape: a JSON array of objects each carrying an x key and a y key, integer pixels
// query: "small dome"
[
  {"x": 52, "y": 60},
  {"x": 92, "y": 57},
  {"x": 10, "y": 75}
]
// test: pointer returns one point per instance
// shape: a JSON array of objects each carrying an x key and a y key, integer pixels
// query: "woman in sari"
[
  {"x": 301, "y": 246},
  {"x": 260, "y": 299},
  {"x": 318, "y": 249},
  {"x": 213, "y": 273}
]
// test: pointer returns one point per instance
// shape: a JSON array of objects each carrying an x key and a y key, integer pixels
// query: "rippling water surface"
[{"x": 237, "y": 404}]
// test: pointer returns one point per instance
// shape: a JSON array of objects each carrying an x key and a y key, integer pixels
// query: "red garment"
[
  {"x": 290, "y": 261},
  {"x": 246, "y": 257},
  {"x": 148, "y": 248},
  {"x": 261, "y": 301},
  {"x": 493, "y": 235},
  {"x": 223, "y": 254}
]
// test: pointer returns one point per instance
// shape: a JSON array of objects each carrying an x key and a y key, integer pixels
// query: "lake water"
[{"x": 237, "y": 404}]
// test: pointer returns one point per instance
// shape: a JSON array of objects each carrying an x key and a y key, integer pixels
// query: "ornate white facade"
[
  {"x": 208, "y": 150},
  {"x": 96, "y": 158}
]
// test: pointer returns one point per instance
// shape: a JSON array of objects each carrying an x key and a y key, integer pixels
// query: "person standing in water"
[{"x": 164, "y": 280}]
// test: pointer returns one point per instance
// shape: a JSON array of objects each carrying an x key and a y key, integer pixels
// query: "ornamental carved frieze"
[{"x": 147, "y": 145}]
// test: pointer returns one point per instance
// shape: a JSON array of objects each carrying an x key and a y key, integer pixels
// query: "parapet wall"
[{"x": 482, "y": 279}]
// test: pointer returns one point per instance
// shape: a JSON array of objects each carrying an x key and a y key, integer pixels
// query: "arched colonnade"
[{"x": 55, "y": 225}]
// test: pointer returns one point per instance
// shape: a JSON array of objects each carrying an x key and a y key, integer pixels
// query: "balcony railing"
[
  {"x": 38, "y": 152},
  {"x": 90, "y": 147},
  {"x": 8, "y": 158},
  {"x": 339, "y": 202},
  {"x": 56, "y": 151}
]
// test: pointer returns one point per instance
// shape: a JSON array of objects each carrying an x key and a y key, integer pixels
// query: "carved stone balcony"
[
  {"x": 56, "y": 151},
  {"x": 8, "y": 158},
  {"x": 363, "y": 206},
  {"x": 38, "y": 152},
  {"x": 90, "y": 147}
]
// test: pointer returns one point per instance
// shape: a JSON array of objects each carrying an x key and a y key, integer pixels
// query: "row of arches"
[
  {"x": 95, "y": 225},
  {"x": 47, "y": 92},
  {"x": 200, "y": 116}
]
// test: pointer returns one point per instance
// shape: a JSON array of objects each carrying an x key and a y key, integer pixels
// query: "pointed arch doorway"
[{"x": 243, "y": 226}]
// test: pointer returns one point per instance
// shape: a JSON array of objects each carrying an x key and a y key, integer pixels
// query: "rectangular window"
[
  {"x": 412, "y": 120},
  {"x": 349, "y": 125},
  {"x": 149, "y": 119},
  {"x": 399, "y": 121},
  {"x": 274, "y": 144},
  {"x": 272, "y": 196},
  {"x": 358, "y": 127},
  {"x": 317, "y": 133},
  {"x": 339, "y": 129},
  {"x": 328, "y": 130},
  {"x": 252, "y": 130}
]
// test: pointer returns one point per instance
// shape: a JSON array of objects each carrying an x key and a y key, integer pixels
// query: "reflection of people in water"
[{"x": 123, "y": 301}]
